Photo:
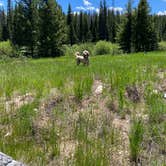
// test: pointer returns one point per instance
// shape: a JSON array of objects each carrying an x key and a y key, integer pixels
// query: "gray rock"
[
  {"x": 99, "y": 90},
  {"x": 8, "y": 161},
  {"x": 164, "y": 95}
]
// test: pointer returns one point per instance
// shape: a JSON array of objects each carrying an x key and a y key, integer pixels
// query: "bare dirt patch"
[
  {"x": 99, "y": 105},
  {"x": 67, "y": 148},
  {"x": 51, "y": 103},
  {"x": 161, "y": 74},
  {"x": 122, "y": 155},
  {"x": 161, "y": 86},
  {"x": 17, "y": 102}
]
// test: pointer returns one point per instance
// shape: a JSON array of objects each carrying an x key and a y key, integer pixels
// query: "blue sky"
[{"x": 157, "y": 6}]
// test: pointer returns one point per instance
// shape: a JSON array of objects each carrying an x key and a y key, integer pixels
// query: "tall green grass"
[
  {"x": 82, "y": 87},
  {"x": 94, "y": 136},
  {"x": 94, "y": 149},
  {"x": 157, "y": 108},
  {"x": 136, "y": 139}
]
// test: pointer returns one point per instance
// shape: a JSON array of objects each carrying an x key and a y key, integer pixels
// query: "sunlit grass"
[{"x": 94, "y": 138}]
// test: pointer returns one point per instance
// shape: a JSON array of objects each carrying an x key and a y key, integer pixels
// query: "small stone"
[
  {"x": 8, "y": 134},
  {"x": 164, "y": 95},
  {"x": 8, "y": 161},
  {"x": 99, "y": 90}
]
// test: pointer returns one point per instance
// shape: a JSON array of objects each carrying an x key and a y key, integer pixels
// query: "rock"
[
  {"x": 99, "y": 90},
  {"x": 164, "y": 95},
  {"x": 8, "y": 161},
  {"x": 8, "y": 134}
]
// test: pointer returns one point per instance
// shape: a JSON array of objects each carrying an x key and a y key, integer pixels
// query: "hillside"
[{"x": 110, "y": 113}]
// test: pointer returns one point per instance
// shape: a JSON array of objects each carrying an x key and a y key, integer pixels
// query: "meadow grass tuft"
[{"x": 136, "y": 138}]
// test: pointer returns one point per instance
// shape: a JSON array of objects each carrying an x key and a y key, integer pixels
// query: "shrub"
[
  {"x": 70, "y": 50},
  {"x": 104, "y": 47},
  {"x": 6, "y": 50},
  {"x": 101, "y": 48},
  {"x": 162, "y": 46}
]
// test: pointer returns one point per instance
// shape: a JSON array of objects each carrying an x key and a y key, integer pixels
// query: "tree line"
[{"x": 41, "y": 28}]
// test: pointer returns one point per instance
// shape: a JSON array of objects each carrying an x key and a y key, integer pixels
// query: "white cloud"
[
  {"x": 75, "y": 12},
  {"x": 119, "y": 9},
  {"x": 160, "y": 13},
  {"x": 1, "y": 4},
  {"x": 90, "y": 8},
  {"x": 87, "y": 6},
  {"x": 97, "y": 10},
  {"x": 87, "y": 3},
  {"x": 80, "y": 8}
]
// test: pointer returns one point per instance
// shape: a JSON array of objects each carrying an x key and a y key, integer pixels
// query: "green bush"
[
  {"x": 6, "y": 50},
  {"x": 104, "y": 47},
  {"x": 162, "y": 46},
  {"x": 100, "y": 48},
  {"x": 71, "y": 50}
]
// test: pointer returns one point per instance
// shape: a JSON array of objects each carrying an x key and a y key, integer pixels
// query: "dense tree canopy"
[
  {"x": 41, "y": 28},
  {"x": 145, "y": 38}
]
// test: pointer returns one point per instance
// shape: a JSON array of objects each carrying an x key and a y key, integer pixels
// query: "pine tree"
[
  {"x": 81, "y": 27},
  {"x": 103, "y": 31},
  {"x": 160, "y": 26},
  {"x": 85, "y": 27},
  {"x": 30, "y": 14},
  {"x": 71, "y": 31},
  {"x": 25, "y": 26},
  {"x": 9, "y": 19},
  {"x": 94, "y": 28},
  {"x": 76, "y": 25},
  {"x": 4, "y": 30},
  {"x": 34, "y": 21},
  {"x": 125, "y": 34},
  {"x": 18, "y": 32},
  {"x": 111, "y": 25},
  {"x": 145, "y": 38},
  {"x": 52, "y": 29},
  {"x": 91, "y": 37},
  {"x": 1, "y": 24},
  {"x": 105, "y": 26}
]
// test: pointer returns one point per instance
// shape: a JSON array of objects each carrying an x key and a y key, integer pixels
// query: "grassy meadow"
[{"x": 51, "y": 114}]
